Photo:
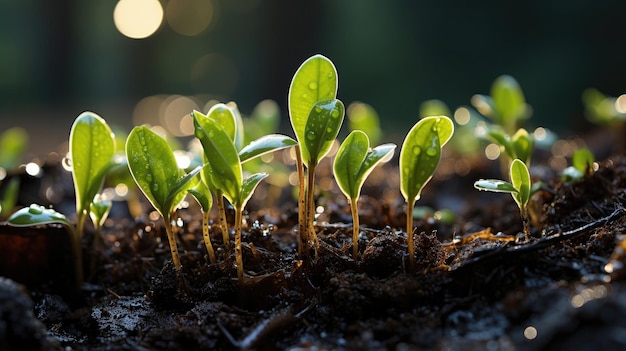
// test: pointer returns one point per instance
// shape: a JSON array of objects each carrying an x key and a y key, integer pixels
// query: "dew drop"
[
  {"x": 311, "y": 135},
  {"x": 334, "y": 114},
  {"x": 431, "y": 151},
  {"x": 305, "y": 96},
  {"x": 313, "y": 85},
  {"x": 329, "y": 130},
  {"x": 331, "y": 74},
  {"x": 318, "y": 109},
  {"x": 155, "y": 186},
  {"x": 416, "y": 150},
  {"x": 35, "y": 209}
]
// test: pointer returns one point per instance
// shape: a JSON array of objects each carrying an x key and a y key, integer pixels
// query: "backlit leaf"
[
  {"x": 265, "y": 144},
  {"x": 36, "y": 215},
  {"x": 495, "y": 185},
  {"x": 520, "y": 178},
  {"x": 321, "y": 129}
]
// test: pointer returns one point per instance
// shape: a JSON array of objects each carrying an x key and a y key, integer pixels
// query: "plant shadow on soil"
[{"x": 473, "y": 289}]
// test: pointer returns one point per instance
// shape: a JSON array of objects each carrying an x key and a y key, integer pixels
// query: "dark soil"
[{"x": 475, "y": 287}]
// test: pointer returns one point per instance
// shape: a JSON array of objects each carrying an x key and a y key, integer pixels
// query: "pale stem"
[
  {"x": 409, "y": 233},
  {"x": 302, "y": 227},
  {"x": 525, "y": 222},
  {"x": 355, "y": 228},
  {"x": 238, "y": 249},
  {"x": 207, "y": 237},
  {"x": 223, "y": 221},
  {"x": 172, "y": 241},
  {"x": 310, "y": 208}
]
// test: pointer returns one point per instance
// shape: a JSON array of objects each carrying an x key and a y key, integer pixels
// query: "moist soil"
[{"x": 477, "y": 284}]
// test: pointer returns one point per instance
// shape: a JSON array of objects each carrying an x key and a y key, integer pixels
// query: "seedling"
[
  {"x": 316, "y": 117},
  {"x": 226, "y": 174},
  {"x": 419, "y": 156},
  {"x": 154, "y": 169},
  {"x": 92, "y": 146},
  {"x": 582, "y": 163},
  {"x": 364, "y": 117},
  {"x": 353, "y": 163},
  {"x": 202, "y": 194},
  {"x": 519, "y": 188}
]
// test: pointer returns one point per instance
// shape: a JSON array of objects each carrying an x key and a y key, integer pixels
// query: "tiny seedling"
[
  {"x": 225, "y": 172},
  {"x": 202, "y": 194},
  {"x": 91, "y": 151},
  {"x": 419, "y": 156},
  {"x": 316, "y": 117},
  {"x": 519, "y": 188},
  {"x": 353, "y": 163},
  {"x": 506, "y": 107},
  {"x": 153, "y": 166},
  {"x": 582, "y": 163}
]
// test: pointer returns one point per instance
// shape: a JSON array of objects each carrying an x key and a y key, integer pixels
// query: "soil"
[{"x": 477, "y": 285}]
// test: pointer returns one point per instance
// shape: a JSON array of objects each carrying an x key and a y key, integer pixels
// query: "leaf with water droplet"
[
  {"x": 355, "y": 161},
  {"x": 37, "y": 215},
  {"x": 430, "y": 134},
  {"x": 321, "y": 130},
  {"x": 92, "y": 146},
  {"x": 302, "y": 98},
  {"x": 264, "y": 145}
]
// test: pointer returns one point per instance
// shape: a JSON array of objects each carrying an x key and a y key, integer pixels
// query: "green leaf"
[
  {"x": 322, "y": 128},
  {"x": 153, "y": 166},
  {"x": 582, "y": 159},
  {"x": 499, "y": 137},
  {"x": 523, "y": 144},
  {"x": 92, "y": 145},
  {"x": 509, "y": 101},
  {"x": 248, "y": 187},
  {"x": 13, "y": 143},
  {"x": 264, "y": 145},
  {"x": 37, "y": 215},
  {"x": 99, "y": 210},
  {"x": 315, "y": 80},
  {"x": 178, "y": 191},
  {"x": 224, "y": 115},
  {"x": 348, "y": 161},
  {"x": 363, "y": 117},
  {"x": 202, "y": 194},
  {"x": 224, "y": 168},
  {"x": 495, "y": 185},
  {"x": 520, "y": 178},
  {"x": 420, "y": 154},
  {"x": 355, "y": 161}
]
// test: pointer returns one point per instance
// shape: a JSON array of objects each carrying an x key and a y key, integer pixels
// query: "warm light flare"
[{"x": 138, "y": 19}]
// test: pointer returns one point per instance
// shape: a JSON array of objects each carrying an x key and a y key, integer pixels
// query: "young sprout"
[
  {"x": 419, "y": 156},
  {"x": 519, "y": 188},
  {"x": 226, "y": 174},
  {"x": 153, "y": 166},
  {"x": 316, "y": 117},
  {"x": 353, "y": 163},
  {"x": 582, "y": 163},
  {"x": 506, "y": 107},
  {"x": 202, "y": 194}
]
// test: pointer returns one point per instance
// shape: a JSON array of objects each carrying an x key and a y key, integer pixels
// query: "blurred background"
[{"x": 149, "y": 61}]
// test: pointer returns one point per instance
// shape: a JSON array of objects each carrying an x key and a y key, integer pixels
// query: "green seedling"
[
  {"x": 13, "y": 143},
  {"x": 582, "y": 164},
  {"x": 506, "y": 107},
  {"x": 519, "y": 146},
  {"x": 202, "y": 194},
  {"x": 519, "y": 188},
  {"x": 419, "y": 156},
  {"x": 153, "y": 166},
  {"x": 353, "y": 163},
  {"x": 316, "y": 117},
  {"x": 225, "y": 172},
  {"x": 364, "y": 117},
  {"x": 92, "y": 147}
]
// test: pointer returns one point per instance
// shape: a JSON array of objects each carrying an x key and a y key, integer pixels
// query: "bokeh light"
[
  {"x": 189, "y": 17},
  {"x": 138, "y": 19}
]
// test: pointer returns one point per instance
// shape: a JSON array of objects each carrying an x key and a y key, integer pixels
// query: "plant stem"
[
  {"x": 172, "y": 241},
  {"x": 223, "y": 222},
  {"x": 238, "y": 249},
  {"x": 355, "y": 227},
  {"x": 77, "y": 248},
  {"x": 302, "y": 226},
  {"x": 409, "y": 233},
  {"x": 525, "y": 222},
  {"x": 207, "y": 237},
  {"x": 310, "y": 208}
]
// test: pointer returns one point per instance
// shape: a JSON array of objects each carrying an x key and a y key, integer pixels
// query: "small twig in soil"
[{"x": 265, "y": 328}]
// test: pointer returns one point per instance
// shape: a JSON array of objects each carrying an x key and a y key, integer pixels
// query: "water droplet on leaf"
[
  {"x": 334, "y": 114},
  {"x": 431, "y": 151},
  {"x": 416, "y": 150},
  {"x": 313, "y": 85},
  {"x": 311, "y": 135}
]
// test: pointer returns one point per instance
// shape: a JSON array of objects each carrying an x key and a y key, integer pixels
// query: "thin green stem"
[
  {"x": 409, "y": 233},
  {"x": 302, "y": 226},
  {"x": 172, "y": 241},
  {"x": 238, "y": 248},
  {"x": 525, "y": 222},
  {"x": 310, "y": 208},
  {"x": 355, "y": 227},
  {"x": 77, "y": 249},
  {"x": 223, "y": 222},
  {"x": 207, "y": 237}
]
